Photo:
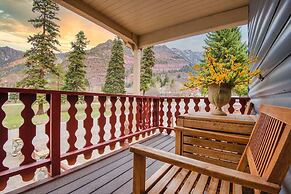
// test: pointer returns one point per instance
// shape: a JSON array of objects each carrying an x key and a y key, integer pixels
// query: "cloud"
[
  {"x": 196, "y": 43},
  {"x": 11, "y": 25},
  {"x": 19, "y": 10},
  {"x": 14, "y": 26},
  {"x": 11, "y": 40},
  {"x": 68, "y": 29}
]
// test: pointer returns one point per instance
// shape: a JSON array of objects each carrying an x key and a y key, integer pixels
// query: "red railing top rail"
[
  {"x": 201, "y": 97},
  {"x": 33, "y": 91}
]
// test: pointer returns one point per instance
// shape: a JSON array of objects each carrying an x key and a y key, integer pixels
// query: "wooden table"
[
  {"x": 220, "y": 140},
  {"x": 238, "y": 124}
]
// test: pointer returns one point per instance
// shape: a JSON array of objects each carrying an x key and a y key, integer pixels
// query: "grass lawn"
[{"x": 14, "y": 120}]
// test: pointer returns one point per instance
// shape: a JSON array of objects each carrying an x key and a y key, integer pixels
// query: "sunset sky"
[{"x": 14, "y": 28}]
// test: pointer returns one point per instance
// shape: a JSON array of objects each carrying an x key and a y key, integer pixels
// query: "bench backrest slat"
[{"x": 267, "y": 150}]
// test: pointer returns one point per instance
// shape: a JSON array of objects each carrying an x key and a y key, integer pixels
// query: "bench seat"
[{"x": 173, "y": 179}]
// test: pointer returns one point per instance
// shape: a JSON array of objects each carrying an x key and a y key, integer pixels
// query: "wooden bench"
[{"x": 267, "y": 156}]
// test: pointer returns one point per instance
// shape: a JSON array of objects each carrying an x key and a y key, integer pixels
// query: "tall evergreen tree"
[
  {"x": 226, "y": 41},
  {"x": 75, "y": 78},
  {"x": 115, "y": 76},
  {"x": 147, "y": 64},
  {"x": 223, "y": 42},
  {"x": 40, "y": 57}
]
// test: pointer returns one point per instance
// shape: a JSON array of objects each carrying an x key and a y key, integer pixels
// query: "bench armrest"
[{"x": 205, "y": 168}]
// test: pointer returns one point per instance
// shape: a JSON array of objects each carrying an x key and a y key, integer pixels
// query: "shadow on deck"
[{"x": 112, "y": 174}]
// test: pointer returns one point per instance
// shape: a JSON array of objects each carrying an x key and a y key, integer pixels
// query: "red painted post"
[
  {"x": 143, "y": 115},
  {"x": 112, "y": 120},
  {"x": 169, "y": 114},
  {"x": 122, "y": 119},
  {"x": 207, "y": 103},
  {"x": 3, "y": 139},
  {"x": 139, "y": 116},
  {"x": 243, "y": 103},
  {"x": 156, "y": 112},
  {"x": 130, "y": 117},
  {"x": 231, "y": 103},
  {"x": 101, "y": 122},
  {"x": 196, "y": 107},
  {"x": 88, "y": 124},
  {"x": 55, "y": 133},
  {"x": 148, "y": 115},
  {"x": 27, "y": 132},
  {"x": 48, "y": 124},
  {"x": 161, "y": 114},
  {"x": 186, "y": 101},
  {"x": 72, "y": 127},
  {"x": 177, "y": 107}
]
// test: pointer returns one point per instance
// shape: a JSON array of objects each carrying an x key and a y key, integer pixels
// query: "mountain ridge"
[
  {"x": 8, "y": 54},
  {"x": 97, "y": 58}
]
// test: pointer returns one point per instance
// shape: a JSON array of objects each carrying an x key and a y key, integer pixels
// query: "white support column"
[{"x": 136, "y": 71}]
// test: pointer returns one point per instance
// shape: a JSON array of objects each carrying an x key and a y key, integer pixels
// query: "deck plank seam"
[
  {"x": 124, "y": 164},
  {"x": 130, "y": 180},
  {"x": 159, "y": 137},
  {"x": 150, "y": 163}
]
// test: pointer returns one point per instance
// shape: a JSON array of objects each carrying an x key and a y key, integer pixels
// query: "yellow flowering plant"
[{"x": 226, "y": 71}]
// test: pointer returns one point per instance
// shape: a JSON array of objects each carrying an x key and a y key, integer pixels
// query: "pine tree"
[
  {"x": 226, "y": 41},
  {"x": 162, "y": 81},
  {"x": 75, "y": 78},
  {"x": 115, "y": 77},
  {"x": 222, "y": 42},
  {"x": 147, "y": 64},
  {"x": 40, "y": 57}
]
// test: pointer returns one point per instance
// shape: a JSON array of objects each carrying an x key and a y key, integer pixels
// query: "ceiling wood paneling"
[{"x": 133, "y": 19}]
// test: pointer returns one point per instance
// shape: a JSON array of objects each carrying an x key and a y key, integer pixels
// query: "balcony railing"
[{"x": 119, "y": 120}]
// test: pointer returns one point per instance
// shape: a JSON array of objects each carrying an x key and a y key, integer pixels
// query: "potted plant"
[{"x": 219, "y": 78}]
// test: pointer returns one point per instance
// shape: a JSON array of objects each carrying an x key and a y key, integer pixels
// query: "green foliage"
[
  {"x": 60, "y": 76},
  {"x": 13, "y": 97},
  {"x": 40, "y": 57},
  {"x": 75, "y": 78},
  {"x": 241, "y": 90},
  {"x": 228, "y": 73},
  {"x": 225, "y": 62},
  {"x": 204, "y": 91},
  {"x": 163, "y": 81},
  {"x": 115, "y": 77},
  {"x": 147, "y": 64},
  {"x": 223, "y": 42}
]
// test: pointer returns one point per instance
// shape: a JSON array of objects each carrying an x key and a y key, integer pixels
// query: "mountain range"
[{"x": 168, "y": 60}]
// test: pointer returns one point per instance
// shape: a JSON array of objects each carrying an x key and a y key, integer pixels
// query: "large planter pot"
[{"x": 219, "y": 95}]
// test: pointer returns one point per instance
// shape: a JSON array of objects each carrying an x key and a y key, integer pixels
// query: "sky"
[
  {"x": 196, "y": 43},
  {"x": 15, "y": 28}
]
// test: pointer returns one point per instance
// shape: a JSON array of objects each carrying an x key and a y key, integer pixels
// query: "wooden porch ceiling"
[{"x": 147, "y": 22}]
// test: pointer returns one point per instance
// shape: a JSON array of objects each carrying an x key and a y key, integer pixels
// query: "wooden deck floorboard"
[
  {"x": 110, "y": 175},
  {"x": 126, "y": 176}
]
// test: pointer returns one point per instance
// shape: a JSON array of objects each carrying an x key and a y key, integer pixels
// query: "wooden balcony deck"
[{"x": 112, "y": 174}]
